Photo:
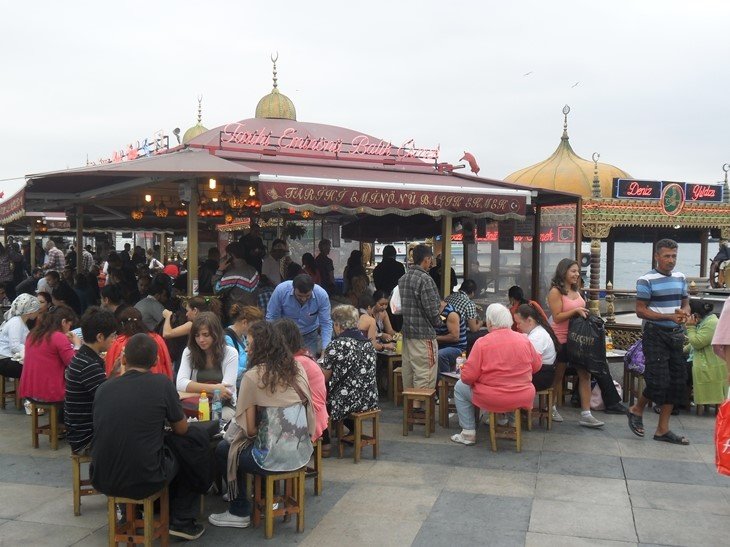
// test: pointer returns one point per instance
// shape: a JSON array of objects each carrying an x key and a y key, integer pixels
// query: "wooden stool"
[
  {"x": 398, "y": 386},
  {"x": 564, "y": 390},
  {"x": 704, "y": 408},
  {"x": 505, "y": 432},
  {"x": 544, "y": 400},
  {"x": 391, "y": 361},
  {"x": 291, "y": 502},
  {"x": 9, "y": 393},
  {"x": 153, "y": 528},
  {"x": 316, "y": 470},
  {"x": 427, "y": 397},
  {"x": 357, "y": 438},
  {"x": 446, "y": 384},
  {"x": 51, "y": 428},
  {"x": 82, "y": 487}
]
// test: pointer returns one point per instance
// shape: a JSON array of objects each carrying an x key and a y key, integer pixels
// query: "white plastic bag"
[{"x": 395, "y": 304}]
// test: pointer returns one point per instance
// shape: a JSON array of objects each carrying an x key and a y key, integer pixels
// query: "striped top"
[
  {"x": 84, "y": 374},
  {"x": 442, "y": 330},
  {"x": 662, "y": 293}
]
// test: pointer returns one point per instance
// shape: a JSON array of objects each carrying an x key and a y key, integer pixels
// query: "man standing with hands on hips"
[{"x": 662, "y": 302}]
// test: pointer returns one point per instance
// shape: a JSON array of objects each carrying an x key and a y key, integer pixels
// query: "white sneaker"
[
  {"x": 228, "y": 520},
  {"x": 590, "y": 421},
  {"x": 463, "y": 439},
  {"x": 556, "y": 415},
  {"x": 503, "y": 420}
]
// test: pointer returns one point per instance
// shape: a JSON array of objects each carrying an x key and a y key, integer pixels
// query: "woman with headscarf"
[{"x": 13, "y": 333}]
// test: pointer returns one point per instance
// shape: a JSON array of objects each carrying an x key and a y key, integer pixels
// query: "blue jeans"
[
  {"x": 240, "y": 506},
  {"x": 464, "y": 408},
  {"x": 447, "y": 358}
]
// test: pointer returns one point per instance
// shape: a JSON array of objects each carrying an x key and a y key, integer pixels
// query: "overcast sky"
[{"x": 647, "y": 81}]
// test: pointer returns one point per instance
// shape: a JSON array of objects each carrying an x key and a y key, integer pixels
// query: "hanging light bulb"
[
  {"x": 148, "y": 198},
  {"x": 251, "y": 191},
  {"x": 211, "y": 184}
]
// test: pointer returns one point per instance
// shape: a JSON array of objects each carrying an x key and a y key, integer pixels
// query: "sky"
[{"x": 647, "y": 81}]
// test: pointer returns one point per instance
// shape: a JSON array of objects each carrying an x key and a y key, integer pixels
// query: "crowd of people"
[{"x": 274, "y": 335}]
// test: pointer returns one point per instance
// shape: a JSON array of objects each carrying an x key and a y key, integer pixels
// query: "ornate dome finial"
[
  {"x": 726, "y": 189},
  {"x": 566, "y": 111},
  {"x": 275, "y": 58},
  {"x": 198, "y": 128},
  {"x": 596, "y": 181},
  {"x": 276, "y": 105}
]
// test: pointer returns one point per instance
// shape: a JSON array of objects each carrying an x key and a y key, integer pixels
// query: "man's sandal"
[
  {"x": 636, "y": 424},
  {"x": 671, "y": 437}
]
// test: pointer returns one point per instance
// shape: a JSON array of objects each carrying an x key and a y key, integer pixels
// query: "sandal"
[
  {"x": 463, "y": 439},
  {"x": 671, "y": 437},
  {"x": 636, "y": 424}
]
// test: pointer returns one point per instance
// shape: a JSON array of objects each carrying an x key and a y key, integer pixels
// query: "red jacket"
[
  {"x": 499, "y": 370},
  {"x": 44, "y": 368},
  {"x": 164, "y": 362}
]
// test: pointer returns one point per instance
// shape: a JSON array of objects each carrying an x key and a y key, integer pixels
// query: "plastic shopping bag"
[
  {"x": 395, "y": 305},
  {"x": 722, "y": 439}
]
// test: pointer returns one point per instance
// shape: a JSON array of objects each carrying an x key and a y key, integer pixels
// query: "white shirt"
[
  {"x": 229, "y": 366},
  {"x": 43, "y": 286},
  {"x": 12, "y": 337},
  {"x": 543, "y": 345}
]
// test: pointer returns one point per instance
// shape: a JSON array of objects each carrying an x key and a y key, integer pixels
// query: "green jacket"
[{"x": 709, "y": 372}]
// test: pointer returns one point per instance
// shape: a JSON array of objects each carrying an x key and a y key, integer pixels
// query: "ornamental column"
[{"x": 596, "y": 232}]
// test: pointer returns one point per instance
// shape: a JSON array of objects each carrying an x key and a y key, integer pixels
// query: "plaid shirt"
[
  {"x": 463, "y": 305},
  {"x": 87, "y": 261},
  {"x": 54, "y": 260},
  {"x": 263, "y": 296},
  {"x": 420, "y": 302}
]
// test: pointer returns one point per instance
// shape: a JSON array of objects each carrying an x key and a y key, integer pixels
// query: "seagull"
[
  {"x": 528, "y": 73},
  {"x": 575, "y": 84}
]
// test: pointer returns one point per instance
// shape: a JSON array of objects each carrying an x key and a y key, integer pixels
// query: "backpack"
[
  {"x": 634, "y": 358},
  {"x": 234, "y": 337},
  {"x": 282, "y": 441}
]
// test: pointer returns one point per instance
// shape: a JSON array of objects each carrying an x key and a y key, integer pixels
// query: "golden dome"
[
  {"x": 198, "y": 128},
  {"x": 566, "y": 171},
  {"x": 276, "y": 105}
]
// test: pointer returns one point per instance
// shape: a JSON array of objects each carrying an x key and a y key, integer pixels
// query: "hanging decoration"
[{"x": 161, "y": 210}]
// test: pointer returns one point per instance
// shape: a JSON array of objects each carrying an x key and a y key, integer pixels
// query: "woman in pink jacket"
[{"x": 497, "y": 376}]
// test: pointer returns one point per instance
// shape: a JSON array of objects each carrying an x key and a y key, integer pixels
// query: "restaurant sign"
[
  {"x": 13, "y": 208},
  {"x": 241, "y": 137},
  {"x": 286, "y": 194},
  {"x": 653, "y": 189}
]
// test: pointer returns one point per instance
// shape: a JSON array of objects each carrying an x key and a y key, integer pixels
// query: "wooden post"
[
  {"x": 704, "y": 237},
  {"x": 193, "y": 239},
  {"x": 32, "y": 244},
  {"x": 610, "y": 307},
  {"x": 536, "y": 266},
  {"x": 595, "y": 282},
  {"x": 79, "y": 232},
  {"x": 445, "y": 256}
]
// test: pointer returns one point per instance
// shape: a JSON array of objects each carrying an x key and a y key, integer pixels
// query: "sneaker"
[
  {"x": 228, "y": 520},
  {"x": 590, "y": 421},
  {"x": 463, "y": 439},
  {"x": 503, "y": 420},
  {"x": 556, "y": 415},
  {"x": 187, "y": 531}
]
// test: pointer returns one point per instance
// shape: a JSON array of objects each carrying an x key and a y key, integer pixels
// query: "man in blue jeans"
[{"x": 451, "y": 337}]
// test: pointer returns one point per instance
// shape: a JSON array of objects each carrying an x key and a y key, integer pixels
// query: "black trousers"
[
  {"x": 184, "y": 503},
  {"x": 10, "y": 368}
]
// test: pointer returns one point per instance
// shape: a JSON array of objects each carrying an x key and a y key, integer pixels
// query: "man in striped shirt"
[
  {"x": 84, "y": 375},
  {"x": 663, "y": 303}
]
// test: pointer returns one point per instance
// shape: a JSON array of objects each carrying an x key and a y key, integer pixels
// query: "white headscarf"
[{"x": 25, "y": 303}]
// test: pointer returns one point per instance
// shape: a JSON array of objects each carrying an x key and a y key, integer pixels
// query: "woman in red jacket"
[
  {"x": 497, "y": 376},
  {"x": 48, "y": 351}
]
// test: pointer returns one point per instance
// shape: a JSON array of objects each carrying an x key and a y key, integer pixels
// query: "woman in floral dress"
[{"x": 349, "y": 366}]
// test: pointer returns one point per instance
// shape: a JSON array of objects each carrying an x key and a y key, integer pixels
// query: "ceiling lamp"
[
  {"x": 137, "y": 214},
  {"x": 229, "y": 218},
  {"x": 306, "y": 214},
  {"x": 181, "y": 212},
  {"x": 224, "y": 196},
  {"x": 148, "y": 198},
  {"x": 251, "y": 191},
  {"x": 211, "y": 184},
  {"x": 235, "y": 200}
]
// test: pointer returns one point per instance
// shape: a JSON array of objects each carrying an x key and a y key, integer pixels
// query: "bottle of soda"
[
  {"x": 203, "y": 407},
  {"x": 216, "y": 408},
  {"x": 460, "y": 360}
]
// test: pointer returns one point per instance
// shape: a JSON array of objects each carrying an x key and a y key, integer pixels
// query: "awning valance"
[
  {"x": 402, "y": 194},
  {"x": 12, "y": 208}
]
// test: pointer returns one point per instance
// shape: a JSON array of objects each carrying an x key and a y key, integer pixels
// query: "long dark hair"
[
  {"x": 700, "y": 308},
  {"x": 269, "y": 351},
  {"x": 130, "y": 322},
  {"x": 210, "y": 321},
  {"x": 50, "y": 322},
  {"x": 203, "y": 303},
  {"x": 528, "y": 311},
  {"x": 290, "y": 333},
  {"x": 560, "y": 273}
]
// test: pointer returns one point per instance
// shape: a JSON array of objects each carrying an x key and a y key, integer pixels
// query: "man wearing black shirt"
[
  {"x": 130, "y": 456},
  {"x": 388, "y": 272}
]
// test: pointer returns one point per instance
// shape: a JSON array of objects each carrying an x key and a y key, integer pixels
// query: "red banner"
[
  {"x": 383, "y": 198},
  {"x": 13, "y": 208}
]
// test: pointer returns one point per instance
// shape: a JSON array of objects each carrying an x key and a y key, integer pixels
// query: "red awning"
[{"x": 13, "y": 208}]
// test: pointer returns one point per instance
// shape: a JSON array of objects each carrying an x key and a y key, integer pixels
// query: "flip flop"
[
  {"x": 636, "y": 424},
  {"x": 671, "y": 437}
]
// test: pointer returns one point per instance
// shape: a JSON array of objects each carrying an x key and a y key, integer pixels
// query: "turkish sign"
[
  {"x": 12, "y": 208},
  {"x": 322, "y": 196},
  {"x": 561, "y": 234},
  {"x": 652, "y": 189},
  {"x": 361, "y": 146}
]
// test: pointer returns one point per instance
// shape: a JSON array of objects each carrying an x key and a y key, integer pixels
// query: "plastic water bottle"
[
  {"x": 203, "y": 407},
  {"x": 216, "y": 408}
]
